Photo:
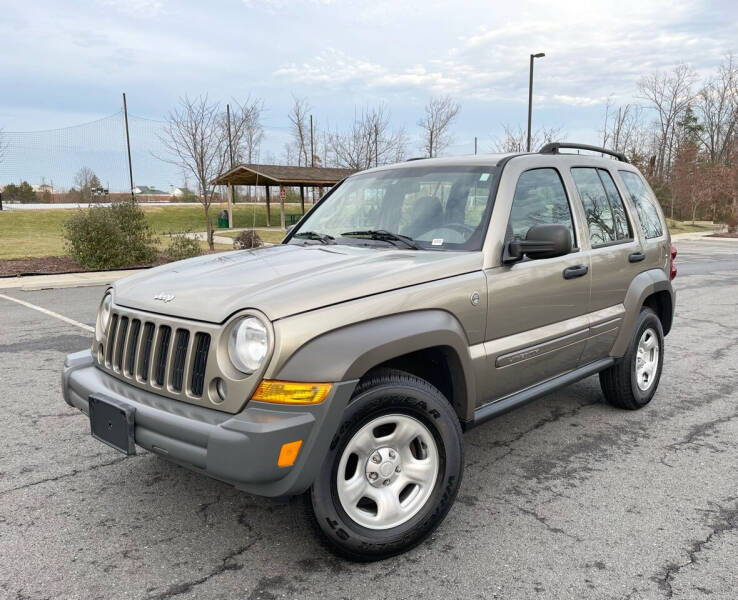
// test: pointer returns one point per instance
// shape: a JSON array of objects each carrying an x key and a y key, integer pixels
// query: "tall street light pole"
[{"x": 530, "y": 92}]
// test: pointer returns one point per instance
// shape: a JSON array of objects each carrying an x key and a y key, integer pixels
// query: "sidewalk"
[
  {"x": 692, "y": 236},
  {"x": 42, "y": 282}
]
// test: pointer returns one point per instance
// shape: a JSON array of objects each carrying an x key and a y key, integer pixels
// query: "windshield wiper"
[
  {"x": 384, "y": 236},
  {"x": 323, "y": 238}
]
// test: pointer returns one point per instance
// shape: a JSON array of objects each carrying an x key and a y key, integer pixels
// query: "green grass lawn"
[
  {"x": 36, "y": 233},
  {"x": 685, "y": 226},
  {"x": 274, "y": 237}
]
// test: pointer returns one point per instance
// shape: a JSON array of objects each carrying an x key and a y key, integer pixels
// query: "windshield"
[{"x": 436, "y": 208}]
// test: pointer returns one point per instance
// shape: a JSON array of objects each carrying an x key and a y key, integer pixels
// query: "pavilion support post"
[
  {"x": 302, "y": 199},
  {"x": 268, "y": 208},
  {"x": 230, "y": 206},
  {"x": 282, "y": 193}
]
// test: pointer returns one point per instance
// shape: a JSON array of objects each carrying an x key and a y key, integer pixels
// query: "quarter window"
[
  {"x": 606, "y": 217},
  {"x": 645, "y": 204},
  {"x": 539, "y": 199}
]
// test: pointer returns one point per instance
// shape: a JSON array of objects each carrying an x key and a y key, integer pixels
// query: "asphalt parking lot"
[{"x": 564, "y": 498}]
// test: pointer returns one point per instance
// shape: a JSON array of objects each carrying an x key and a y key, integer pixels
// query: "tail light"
[{"x": 672, "y": 266}]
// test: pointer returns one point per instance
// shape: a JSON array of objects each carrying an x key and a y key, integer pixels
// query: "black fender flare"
[
  {"x": 351, "y": 351},
  {"x": 643, "y": 285}
]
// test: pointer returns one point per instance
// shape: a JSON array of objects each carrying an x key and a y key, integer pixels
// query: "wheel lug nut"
[
  {"x": 397, "y": 469},
  {"x": 376, "y": 458},
  {"x": 386, "y": 482},
  {"x": 372, "y": 476},
  {"x": 392, "y": 454}
]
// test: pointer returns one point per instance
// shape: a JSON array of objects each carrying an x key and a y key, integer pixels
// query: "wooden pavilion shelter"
[{"x": 282, "y": 176}]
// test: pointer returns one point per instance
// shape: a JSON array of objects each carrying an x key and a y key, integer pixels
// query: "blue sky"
[{"x": 67, "y": 62}]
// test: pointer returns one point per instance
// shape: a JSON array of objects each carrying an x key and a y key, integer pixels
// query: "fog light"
[
  {"x": 290, "y": 392},
  {"x": 288, "y": 453},
  {"x": 219, "y": 387}
]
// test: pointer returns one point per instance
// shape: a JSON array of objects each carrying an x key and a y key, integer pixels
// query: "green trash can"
[{"x": 223, "y": 219}]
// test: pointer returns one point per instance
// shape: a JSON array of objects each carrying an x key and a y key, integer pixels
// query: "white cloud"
[{"x": 136, "y": 8}]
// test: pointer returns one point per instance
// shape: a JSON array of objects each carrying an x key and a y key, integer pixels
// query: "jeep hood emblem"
[{"x": 164, "y": 297}]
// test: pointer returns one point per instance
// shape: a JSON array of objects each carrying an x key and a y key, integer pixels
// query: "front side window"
[
  {"x": 606, "y": 217},
  {"x": 539, "y": 199},
  {"x": 433, "y": 208},
  {"x": 645, "y": 204}
]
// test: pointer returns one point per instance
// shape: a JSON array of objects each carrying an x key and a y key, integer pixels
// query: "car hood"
[{"x": 283, "y": 280}]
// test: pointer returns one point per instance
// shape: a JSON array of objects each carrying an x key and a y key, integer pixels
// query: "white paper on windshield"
[{"x": 437, "y": 242}]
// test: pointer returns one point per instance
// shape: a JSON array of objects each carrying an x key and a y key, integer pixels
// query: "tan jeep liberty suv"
[{"x": 413, "y": 302}]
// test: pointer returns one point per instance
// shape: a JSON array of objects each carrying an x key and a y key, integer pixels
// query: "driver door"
[{"x": 536, "y": 320}]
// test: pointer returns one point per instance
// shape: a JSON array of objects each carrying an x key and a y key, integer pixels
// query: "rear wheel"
[
  {"x": 393, "y": 469},
  {"x": 632, "y": 382}
]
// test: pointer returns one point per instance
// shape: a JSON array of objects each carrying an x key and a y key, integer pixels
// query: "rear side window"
[
  {"x": 645, "y": 204},
  {"x": 606, "y": 218},
  {"x": 539, "y": 199}
]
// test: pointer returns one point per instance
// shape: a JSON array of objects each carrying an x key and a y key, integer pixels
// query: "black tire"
[
  {"x": 388, "y": 392},
  {"x": 619, "y": 383}
]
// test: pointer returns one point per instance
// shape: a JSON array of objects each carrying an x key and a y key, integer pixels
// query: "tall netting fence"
[{"x": 52, "y": 159}]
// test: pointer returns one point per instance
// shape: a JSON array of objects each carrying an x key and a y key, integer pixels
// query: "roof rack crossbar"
[{"x": 554, "y": 147}]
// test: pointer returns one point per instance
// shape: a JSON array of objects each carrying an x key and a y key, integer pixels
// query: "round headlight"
[
  {"x": 248, "y": 344},
  {"x": 103, "y": 316}
]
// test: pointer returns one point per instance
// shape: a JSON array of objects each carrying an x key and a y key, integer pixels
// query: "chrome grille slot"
[
  {"x": 148, "y": 341},
  {"x": 162, "y": 354},
  {"x": 202, "y": 347},
  {"x": 120, "y": 343},
  {"x": 132, "y": 348},
  {"x": 111, "y": 339},
  {"x": 181, "y": 343},
  {"x": 165, "y": 355}
]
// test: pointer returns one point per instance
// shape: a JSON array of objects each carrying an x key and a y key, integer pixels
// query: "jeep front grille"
[{"x": 167, "y": 358}]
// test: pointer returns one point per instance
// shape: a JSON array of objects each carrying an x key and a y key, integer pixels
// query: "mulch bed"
[{"x": 53, "y": 265}]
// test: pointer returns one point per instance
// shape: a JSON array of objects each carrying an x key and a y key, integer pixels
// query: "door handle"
[
  {"x": 575, "y": 271},
  {"x": 636, "y": 256}
]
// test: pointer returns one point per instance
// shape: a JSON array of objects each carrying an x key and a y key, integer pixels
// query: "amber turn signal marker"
[
  {"x": 291, "y": 392},
  {"x": 288, "y": 453}
]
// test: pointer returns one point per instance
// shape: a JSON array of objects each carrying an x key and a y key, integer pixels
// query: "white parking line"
[{"x": 50, "y": 313}]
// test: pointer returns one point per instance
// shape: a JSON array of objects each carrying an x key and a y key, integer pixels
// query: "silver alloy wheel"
[
  {"x": 387, "y": 471},
  {"x": 647, "y": 359}
]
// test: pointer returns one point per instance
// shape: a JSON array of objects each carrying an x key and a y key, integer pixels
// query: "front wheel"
[
  {"x": 632, "y": 382},
  {"x": 393, "y": 469}
]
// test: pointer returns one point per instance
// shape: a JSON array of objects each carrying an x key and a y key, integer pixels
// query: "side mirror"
[
  {"x": 290, "y": 228},
  {"x": 541, "y": 241}
]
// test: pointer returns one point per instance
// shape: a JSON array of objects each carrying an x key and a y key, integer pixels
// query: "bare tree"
[
  {"x": 369, "y": 142},
  {"x": 514, "y": 139},
  {"x": 85, "y": 181},
  {"x": 669, "y": 95},
  {"x": 717, "y": 107},
  {"x": 247, "y": 131},
  {"x": 298, "y": 116},
  {"x": 623, "y": 129},
  {"x": 195, "y": 137},
  {"x": 440, "y": 112}
]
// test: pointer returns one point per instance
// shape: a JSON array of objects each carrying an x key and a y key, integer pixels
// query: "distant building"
[
  {"x": 144, "y": 193},
  {"x": 180, "y": 193},
  {"x": 43, "y": 188}
]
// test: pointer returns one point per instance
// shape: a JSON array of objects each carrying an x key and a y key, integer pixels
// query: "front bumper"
[{"x": 240, "y": 449}]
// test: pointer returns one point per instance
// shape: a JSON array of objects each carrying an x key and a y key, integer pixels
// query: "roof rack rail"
[{"x": 554, "y": 147}]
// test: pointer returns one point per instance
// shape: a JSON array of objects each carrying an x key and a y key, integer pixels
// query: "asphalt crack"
[
  {"x": 543, "y": 521},
  {"x": 227, "y": 564},
  {"x": 72, "y": 473},
  {"x": 553, "y": 418},
  {"x": 726, "y": 520}
]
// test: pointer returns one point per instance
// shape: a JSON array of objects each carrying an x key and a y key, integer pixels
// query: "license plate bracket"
[{"x": 112, "y": 423}]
